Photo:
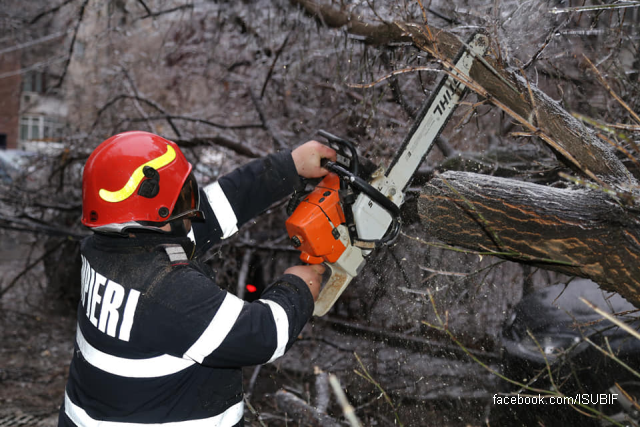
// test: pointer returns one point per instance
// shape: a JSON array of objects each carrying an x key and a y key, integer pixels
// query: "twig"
[
  {"x": 136, "y": 93},
  {"x": 621, "y": 149},
  {"x": 398, "y": 96},
  {"x": 49, "y": 11},
  {"x": 221, "y": 141},
  {"x": 31, "y": 227},
  {"x": 149, "y": 102},
  {"x": 254, "y": 412},
  {"x": 146, "y": 8},
  {"x": 367, "y": 376},
  {"x": 533, "y": 101},
  {"x": 546, "y": 42},
  {"x": 252, "y": 382},
  {"x": 632, "y": 400},
  {"x": 611, "y": 355},
  {"x": 71, "y": 46},
  {"x": 392, "y": 74},
  {"x": 273, "y": 64},
  {"x": 29, "y": 267},
  {"x": 443, "y": 273},
  {"x": 546, "y": 360},
  {"x": 322, "y": 390},
  {"x": 403, "y": 340},
  {"x": 198, "y": 120},
  {"x": 611, "y": 128},
  {"x": 557, "y": 10},
  {"x": 347, "y": 409},
  {"x": 265, "y": 124},
  {"x": 425, "y": 21},
  {"x": 610, "y": 90},
  {"x": 164, "y": 12},
  {"x": 612, "y": 319}
]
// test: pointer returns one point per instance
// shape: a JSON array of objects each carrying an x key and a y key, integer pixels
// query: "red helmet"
[{"x": 137, "y": 179}]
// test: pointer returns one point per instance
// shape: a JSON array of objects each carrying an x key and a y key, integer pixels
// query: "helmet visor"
[{"x": 188, "y": 203}]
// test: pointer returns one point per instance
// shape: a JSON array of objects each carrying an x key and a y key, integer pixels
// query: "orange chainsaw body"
[{"x": 313, "y": 225}]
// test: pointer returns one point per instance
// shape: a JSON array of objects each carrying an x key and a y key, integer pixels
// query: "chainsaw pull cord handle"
[{"x": 363, "y": 186}]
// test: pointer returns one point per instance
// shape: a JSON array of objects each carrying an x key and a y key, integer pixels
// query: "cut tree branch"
[{"x": 578, "y": 232}]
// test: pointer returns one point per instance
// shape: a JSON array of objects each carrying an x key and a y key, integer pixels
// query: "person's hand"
[
  {"x": 307, "y": 159},
  {"x": 311, "y": 274}
]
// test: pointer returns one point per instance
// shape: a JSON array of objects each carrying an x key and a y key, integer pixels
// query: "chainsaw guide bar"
[{"x": 332, "y": 231}]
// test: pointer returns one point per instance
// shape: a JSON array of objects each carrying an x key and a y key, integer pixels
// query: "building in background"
[
  {"x": 10, "y": 89},
  {"x": 32, "y": 112},
  {"x": 42, "y": 113}
]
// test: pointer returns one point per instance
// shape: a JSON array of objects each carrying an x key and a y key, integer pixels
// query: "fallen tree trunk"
[{"x": 579, "y": 232}]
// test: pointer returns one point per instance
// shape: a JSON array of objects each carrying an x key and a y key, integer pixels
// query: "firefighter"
[{"x": 157, "y": 341}]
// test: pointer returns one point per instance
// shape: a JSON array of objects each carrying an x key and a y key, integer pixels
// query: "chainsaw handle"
[
  {"x": 354, "y": 166},
  {"x": 363, "y": 186}
]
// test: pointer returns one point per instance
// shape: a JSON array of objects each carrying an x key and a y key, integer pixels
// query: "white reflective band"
[
  {"x": 176, "y": 253},
  {"x": 228, "y": 418},
  {"x": 131, "y": 368},
  {"x": 282, "y": 327},
  {"x": 217, "y": 330},
  {"x": 222, "y": 209}
]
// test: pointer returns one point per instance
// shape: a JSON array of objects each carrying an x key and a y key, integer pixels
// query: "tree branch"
[
  {"x": 71, "y": 46},
  {"x": 198, "y": 120},
  {"x": 49, "y": 11},
  {"x": 162, "y": 12},
  {"x": 154, "y": 105},
  {"x": 579, "y": 232},
  {"x": 220, "y": 141}
]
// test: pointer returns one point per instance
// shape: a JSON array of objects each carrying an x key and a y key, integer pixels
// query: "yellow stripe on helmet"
[{"x": 131, "y": 185}]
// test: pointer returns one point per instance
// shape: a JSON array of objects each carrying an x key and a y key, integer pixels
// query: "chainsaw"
[{"x": 351, "y": 212}]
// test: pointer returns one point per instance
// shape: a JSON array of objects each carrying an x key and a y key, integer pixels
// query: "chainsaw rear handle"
[
  {"x": 376, "y": 196},
  {"x": 355, "y": 164}
]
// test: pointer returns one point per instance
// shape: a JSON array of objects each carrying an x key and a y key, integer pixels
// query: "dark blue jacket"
[{"x": 158, "y": 341}]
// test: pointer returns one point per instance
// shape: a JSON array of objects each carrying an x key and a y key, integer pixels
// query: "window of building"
[
  {"x": 34, "y": 81},
  {"x": 35, "y": 127}
]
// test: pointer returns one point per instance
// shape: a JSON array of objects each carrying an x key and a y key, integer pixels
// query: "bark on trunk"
[{"x": 574, "y": 231}]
